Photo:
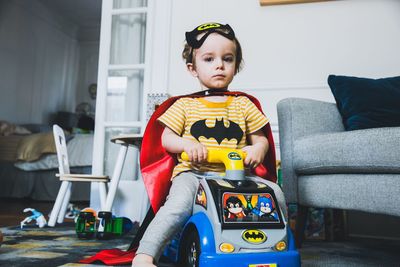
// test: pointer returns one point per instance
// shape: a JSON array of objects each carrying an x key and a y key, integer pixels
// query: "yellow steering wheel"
[{"x": 232, "y": 159}]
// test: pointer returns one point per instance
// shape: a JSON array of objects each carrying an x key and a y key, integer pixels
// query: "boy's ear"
[{"x": 191, "y": 69}]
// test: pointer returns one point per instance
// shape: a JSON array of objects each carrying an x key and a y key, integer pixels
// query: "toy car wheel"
[{"x": 191, "y": 250}]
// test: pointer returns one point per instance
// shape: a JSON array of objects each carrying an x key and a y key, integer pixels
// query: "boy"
[{"x": 213, "y": 55}]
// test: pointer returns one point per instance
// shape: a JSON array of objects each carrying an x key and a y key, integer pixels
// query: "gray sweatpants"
[
  {"x": 171, "y": 216},
  {"x": 177, "y": 209}
]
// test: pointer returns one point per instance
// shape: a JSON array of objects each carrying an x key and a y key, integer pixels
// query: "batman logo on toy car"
[
  {"x": 219, "y": 132},
  {"x": 234, "y": 156},
  {"x": 254, "y": 236}
]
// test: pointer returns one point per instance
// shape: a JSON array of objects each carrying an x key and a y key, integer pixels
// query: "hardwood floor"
[{"x": 11, "y": 210}]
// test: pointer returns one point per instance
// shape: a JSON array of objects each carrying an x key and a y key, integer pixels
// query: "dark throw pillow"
[{"x": 367, "y": 103}]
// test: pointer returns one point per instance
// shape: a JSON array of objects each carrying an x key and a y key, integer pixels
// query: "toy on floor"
[
  {"x": 111, "y": 226},
  {"x": 72, "y": 212},
  {"x": 37, "y": 216},
  {"x": 85, "y": 225}
]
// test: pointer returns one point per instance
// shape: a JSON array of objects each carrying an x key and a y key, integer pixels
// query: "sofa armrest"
[
  {"x": 306, "y": 117},
  {"x": 298, "y": 117}
]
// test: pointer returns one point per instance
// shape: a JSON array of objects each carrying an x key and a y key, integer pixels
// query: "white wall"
[
  {"x": 289, "y": 50},
  {"x": 41, "y": 58},
  {"x": 88, "y": 66},
  {"x": 38, "y": 53}
]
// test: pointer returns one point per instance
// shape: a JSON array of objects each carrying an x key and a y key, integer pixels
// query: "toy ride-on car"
[{"x": 236, "y": 222}]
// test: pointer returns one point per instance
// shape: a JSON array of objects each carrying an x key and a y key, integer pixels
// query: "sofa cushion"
[
  {"x": 362, "y": 151},
  {"x": 367, "y": 103}
]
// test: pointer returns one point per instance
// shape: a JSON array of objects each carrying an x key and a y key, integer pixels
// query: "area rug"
[
  {"x": 351, "y": 253},
  {"x": 59, "y": 246}
]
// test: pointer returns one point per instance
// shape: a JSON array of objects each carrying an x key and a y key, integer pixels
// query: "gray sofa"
[{"x": 325, "y": 166}]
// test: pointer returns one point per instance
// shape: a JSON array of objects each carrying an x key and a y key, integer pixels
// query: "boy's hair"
[{"x": 189, "y": 52}]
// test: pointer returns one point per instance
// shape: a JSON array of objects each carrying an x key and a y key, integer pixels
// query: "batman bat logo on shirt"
[
  {"x": 254, "y": 236},
  {"x": 219, "y": 132}
]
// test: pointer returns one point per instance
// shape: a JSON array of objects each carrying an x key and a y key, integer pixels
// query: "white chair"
[{"x": 64, "y": 194}]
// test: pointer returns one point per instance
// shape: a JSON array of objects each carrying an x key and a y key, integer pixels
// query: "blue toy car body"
[{"x": 235, "y": 223}]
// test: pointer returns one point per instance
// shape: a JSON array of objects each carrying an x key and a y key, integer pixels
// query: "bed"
[{"x": 28, "y": 163}]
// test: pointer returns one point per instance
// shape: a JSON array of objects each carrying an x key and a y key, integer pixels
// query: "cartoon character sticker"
[
  {"x": 234, "y": 208},
  {"x": 249, "y": 208},
  {"x": 265, "y": 208},
  {"x": 201, "y": 198}
]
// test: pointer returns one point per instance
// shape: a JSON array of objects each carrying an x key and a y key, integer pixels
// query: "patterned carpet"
[
  {"x": 59, "y": 246},
  {"x": 355, "y": 253},
  {"x": 49, "y": 247}
]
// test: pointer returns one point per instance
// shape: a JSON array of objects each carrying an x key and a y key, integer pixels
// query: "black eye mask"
[{"x": 208, "y": 28}]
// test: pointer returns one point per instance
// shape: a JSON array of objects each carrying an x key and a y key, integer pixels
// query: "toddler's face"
[{"x": 215, "y": 62}]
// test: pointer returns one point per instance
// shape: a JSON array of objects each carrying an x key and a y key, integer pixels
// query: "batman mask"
[{"x": 219, "y": 132}]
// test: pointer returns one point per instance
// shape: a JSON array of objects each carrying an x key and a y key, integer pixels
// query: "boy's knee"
[{"x": 184, "y": 184}]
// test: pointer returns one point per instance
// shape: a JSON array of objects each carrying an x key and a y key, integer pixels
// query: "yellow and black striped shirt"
[{"x": 238, "y": 111}]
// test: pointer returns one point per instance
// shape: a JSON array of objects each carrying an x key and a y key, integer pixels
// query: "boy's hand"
[
  {"x": 196, "y": 151},
  {"x": 255, "y": 155}
]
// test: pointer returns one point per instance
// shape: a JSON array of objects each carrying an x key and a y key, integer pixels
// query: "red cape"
[{"x": 157, "y": 164}]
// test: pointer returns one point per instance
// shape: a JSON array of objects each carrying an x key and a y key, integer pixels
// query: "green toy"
[
  {"x": 85, "y": 226},
  {"x": 105, "y": 230},
  {"x": 108, "y": 227}
]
